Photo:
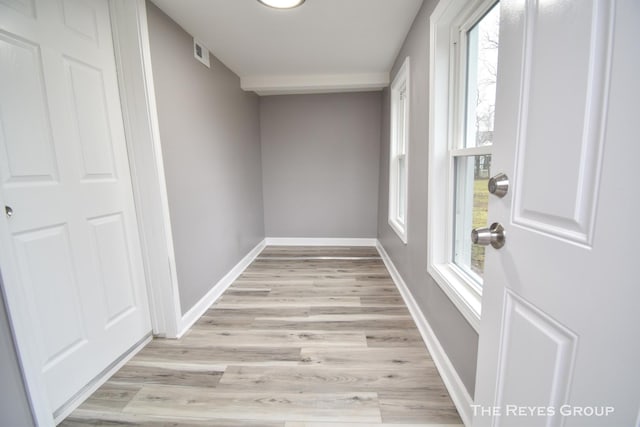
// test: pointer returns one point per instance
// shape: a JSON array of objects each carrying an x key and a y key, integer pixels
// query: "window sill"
[
  {"x": 459, "y": 290},
  {"x": 401, "y": 230}
]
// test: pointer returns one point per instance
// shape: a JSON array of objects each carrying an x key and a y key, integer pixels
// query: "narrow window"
[
  {"x": 399, "y": 161},
  {"x": 464, "y": 68}
]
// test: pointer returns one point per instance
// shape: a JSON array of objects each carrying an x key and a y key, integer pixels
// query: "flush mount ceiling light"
[{"x": 282, "y": 4}]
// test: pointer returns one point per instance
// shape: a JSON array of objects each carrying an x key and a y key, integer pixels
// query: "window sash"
[{"x": 398, "y": 167}]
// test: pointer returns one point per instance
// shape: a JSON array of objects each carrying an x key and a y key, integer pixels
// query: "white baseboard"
[
  {"x": 97, "y": 382},
  {"x": 191, "y": 316},
  {"x": 450, "y": 377},
  {"x": 319, "y": 241}
]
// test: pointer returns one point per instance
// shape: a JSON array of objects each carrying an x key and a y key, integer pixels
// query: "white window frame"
[
  {"x": 447, "y": 70},
  {"x": 399, "y": 151}
]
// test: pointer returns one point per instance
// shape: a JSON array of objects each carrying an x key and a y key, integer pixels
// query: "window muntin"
[{"x": 398, "y": 168}]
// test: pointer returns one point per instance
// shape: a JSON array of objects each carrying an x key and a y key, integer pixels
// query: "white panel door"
[
  {"x": 71, "y": 259},
  {"x": 560, "y": 328}
]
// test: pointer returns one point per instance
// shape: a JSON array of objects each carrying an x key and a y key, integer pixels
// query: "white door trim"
[{"x": 135, "y": 81}]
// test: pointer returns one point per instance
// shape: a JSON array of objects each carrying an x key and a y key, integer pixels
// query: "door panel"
[
  {"x": 90, "y": 119},
  {"x": 44, "y": 257},
  {"x": 537, "y": 351},
  {"x": 116, "y": 277},
  {"x": 80, "y": 17},
  {"x": 559, "y": 147},
  {"x": 25, "y": 132},
  {"x": 74, "y": 270}
]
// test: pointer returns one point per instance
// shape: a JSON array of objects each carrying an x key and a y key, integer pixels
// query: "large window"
[
  {"x": 399, "y": 162},
  {"x": 464, "y": 65}
]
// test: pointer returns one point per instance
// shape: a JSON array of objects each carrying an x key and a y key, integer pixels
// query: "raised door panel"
[
  {"x": 47, "y": 271},
  {"x": 25, "y": 129},
  {"x": 90, "y": 119},
  {"x": 80, "y": 17},
  {"x": 114, "y": 259},
  {"x": 559, "y": 148},
  {"x": 537, "y": 351}
]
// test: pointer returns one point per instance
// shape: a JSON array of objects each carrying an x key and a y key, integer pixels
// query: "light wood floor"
[{"x": 305, "y": 337}]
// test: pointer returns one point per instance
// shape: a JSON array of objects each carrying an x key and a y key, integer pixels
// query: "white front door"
[
  {"x": 560, "y": 328},
  {"x": 70, "y": 254}
]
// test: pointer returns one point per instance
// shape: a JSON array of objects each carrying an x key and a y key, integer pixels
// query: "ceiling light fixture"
[{"x": 282, "y": 4}]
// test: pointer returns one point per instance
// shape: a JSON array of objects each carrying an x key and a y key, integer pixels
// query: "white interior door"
[
  {"x": 70, "y": 257},
  {"x": 560, "y": 328}
]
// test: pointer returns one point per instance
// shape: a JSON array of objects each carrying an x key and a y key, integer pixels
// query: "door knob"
[
  {"x": 494, "y": 236},
  {"x": 8, "y": 211},
  {"x": 499, "y": 185}
]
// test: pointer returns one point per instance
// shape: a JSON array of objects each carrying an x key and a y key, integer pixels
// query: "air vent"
[{"x": 201, "y": 53}]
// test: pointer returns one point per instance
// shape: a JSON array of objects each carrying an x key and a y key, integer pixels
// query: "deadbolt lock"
[{"x": 499, "y": 185}]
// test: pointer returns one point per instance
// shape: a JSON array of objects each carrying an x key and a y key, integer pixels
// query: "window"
[
  {"x": 399, "y": 161},
  {"x": 464, "y": 65}
]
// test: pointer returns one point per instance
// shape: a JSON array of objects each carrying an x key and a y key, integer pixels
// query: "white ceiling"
[{"x": 321, "y": 46}]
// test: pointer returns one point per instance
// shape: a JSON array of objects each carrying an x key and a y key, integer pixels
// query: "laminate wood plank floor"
[{"x": 305, "y": 337}]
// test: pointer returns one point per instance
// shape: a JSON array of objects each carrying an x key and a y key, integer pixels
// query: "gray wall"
[
  {"x": 14, "y": 406},
  {"x": 320, "y": 156},
  {"x": 210, "y": 137},
  {"x": 458, "y": 338}
]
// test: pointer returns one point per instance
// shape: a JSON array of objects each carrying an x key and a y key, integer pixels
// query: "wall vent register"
[{"x": 201, "y": 53}]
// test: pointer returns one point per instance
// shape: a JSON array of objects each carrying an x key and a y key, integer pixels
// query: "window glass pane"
[
  {"x": 471, "y": 200},
  {"x": 402, "y": 120},
  {"x": 402, "y": 188},
  {"x": 482, "y": 67}
]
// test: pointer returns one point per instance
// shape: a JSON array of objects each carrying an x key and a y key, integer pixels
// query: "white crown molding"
[{"x": 305, "y": 84}]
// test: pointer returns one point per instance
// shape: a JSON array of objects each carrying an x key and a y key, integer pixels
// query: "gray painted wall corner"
[{"x": 210, "y": 135}]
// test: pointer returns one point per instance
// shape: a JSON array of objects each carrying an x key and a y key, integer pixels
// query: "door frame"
[{"x": 135, "y": 82}]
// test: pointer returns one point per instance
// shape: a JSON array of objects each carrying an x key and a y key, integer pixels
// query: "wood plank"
[
  {"x": 363, "y": 291},
  {"x": 175, "y": 375},
  {"x": 394, "y": 338},
  {"x": 176, "y": 352},
  {"x": 268, "y": 338},
  {"x": 322, "y": 379},
  {"x": 344, "y": 324},
  {"x": 270, "y": 406},
  {"x": 374, "y": 358},
  {"x": 313, "y": 311},
  {"x": 225, "y": 312},
  {"x": 233, "y": 301}
]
